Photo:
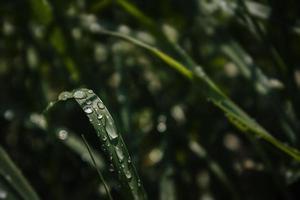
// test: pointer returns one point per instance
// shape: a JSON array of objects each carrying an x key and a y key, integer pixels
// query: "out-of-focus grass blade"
[
  {"x": 211, "y": 91},
  {"x": 135, "y": 12},
  {"x": 6, "y": 192},
  {"x": 42, "y": 11},
  {"x": 111, "y": 140},
  {"x": 214, "y": 167},
  {"x": 12, "y": 175},
  {"x": 253, "y": 73},
  {"x": 167, "y": 186},
  {"x": 72, "y": 141}
]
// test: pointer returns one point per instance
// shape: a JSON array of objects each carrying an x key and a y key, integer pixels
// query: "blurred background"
[{"x": 182, "y": 146}]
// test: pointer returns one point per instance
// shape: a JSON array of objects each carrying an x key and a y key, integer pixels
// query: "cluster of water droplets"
[{"x": 112, "y": 144}]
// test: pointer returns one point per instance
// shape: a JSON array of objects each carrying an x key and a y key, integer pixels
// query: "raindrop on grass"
[
  {"x": 101, "y": 105},
  {"x": 88, "y": 110},
  {"x": 64, "y": 96},
  {"x": 111, "y": 131},
  {"x": 120, "y": 154},
  {"x": 79, "y": 94},
  {"x": 104, "y": 138},
  {"x": 90, "y": 91},
  {"x": 63, "y": 134},
  {"x": 128, "y": 174},
  {"x": 111, "y": 168},
  {"x": 89, "y": 102},
  {"x": 99, "y": 116}
]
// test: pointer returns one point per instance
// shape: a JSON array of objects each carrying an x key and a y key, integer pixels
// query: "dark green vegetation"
[{"x": 205, "y": 94}]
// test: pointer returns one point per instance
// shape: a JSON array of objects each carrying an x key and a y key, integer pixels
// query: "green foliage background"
[{"x": 182, "y": 145}]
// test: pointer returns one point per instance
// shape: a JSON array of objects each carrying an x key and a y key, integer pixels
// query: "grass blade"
[
  {"x": 12, "y": 175},
  {"x": 212, "y": 92},
  {"x": 95, "y": 165},
  {"x": 111, "y": 141}
]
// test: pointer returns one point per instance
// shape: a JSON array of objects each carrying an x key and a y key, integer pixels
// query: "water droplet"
[
  {"x": 111, "y": 131},
  {"x": 3, "y": 194},
  {"x": 128, "y": 174},
  {"x": 139, "y": 183},
  {"x": 111, "y": 168},
  {"x": 89, "y": 102},
  {"x": 64, "y": 96},
  {"x": 79, "y": 94},
  {"x": 90, "y": 120},
  {"x": 123, "y": 166},
  {"x": 63, "y": 134},
  {"x": 101, "y": 105},
  {"x": 88, "y": 110},
  {"x": 90, "y": 91},
  {"x": 120, "y": 154},
  {"x": 104, "y": 138},
  {"x": 99, "y": 116},
  {"x": 129, "y": 160}
]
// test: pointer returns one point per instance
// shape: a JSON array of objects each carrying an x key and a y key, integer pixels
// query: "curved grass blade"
[
  {"x": 12, "y": 175},
  {"x": 212, "y": 92},
  {"x": 95, "y": 165},
  {"x": 111, "y": 141}
]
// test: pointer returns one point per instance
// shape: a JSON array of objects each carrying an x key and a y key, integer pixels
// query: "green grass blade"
[
  {"x": 12, "y": 175},
  {"x": 214, "y": 167},
  {"x": 96, "y": 167},
  {"x": 212, "y": 92},
  {"x": 111, "y": 141},
  {"x": 42, "y": 11},
  {"x": 74, "y": 143}
]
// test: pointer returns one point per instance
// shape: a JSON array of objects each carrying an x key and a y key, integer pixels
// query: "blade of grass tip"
[
  {"x": 10, "y": 172},
  {"x": 111, "y": 141},
  {"x": 212, "y": 92},
  {"x": 95, "y": 165}
]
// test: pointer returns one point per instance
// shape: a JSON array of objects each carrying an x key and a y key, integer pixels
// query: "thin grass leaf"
[
  {"x": 73, "y": 142},
  {"x": 12, "y": 175},
  {"x": 111, "y": 141},
  {"x": 96, "y": 167},
  {"x": 212, "y": 92},
  {"x": 7, "y": 192},
  {"x": 214, "y": 167}
]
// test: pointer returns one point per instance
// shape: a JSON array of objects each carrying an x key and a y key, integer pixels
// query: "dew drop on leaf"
[
  {"x": 101, "y": 105},
  {"x": 128, "y": 174},
  {"x": 64, "y": 96},
  {"x": 79, "y": 94},
  {"x": 111, "y": 131},
  {"x": 88, "y": 110},
  {"x": 120, "y": 154}
]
